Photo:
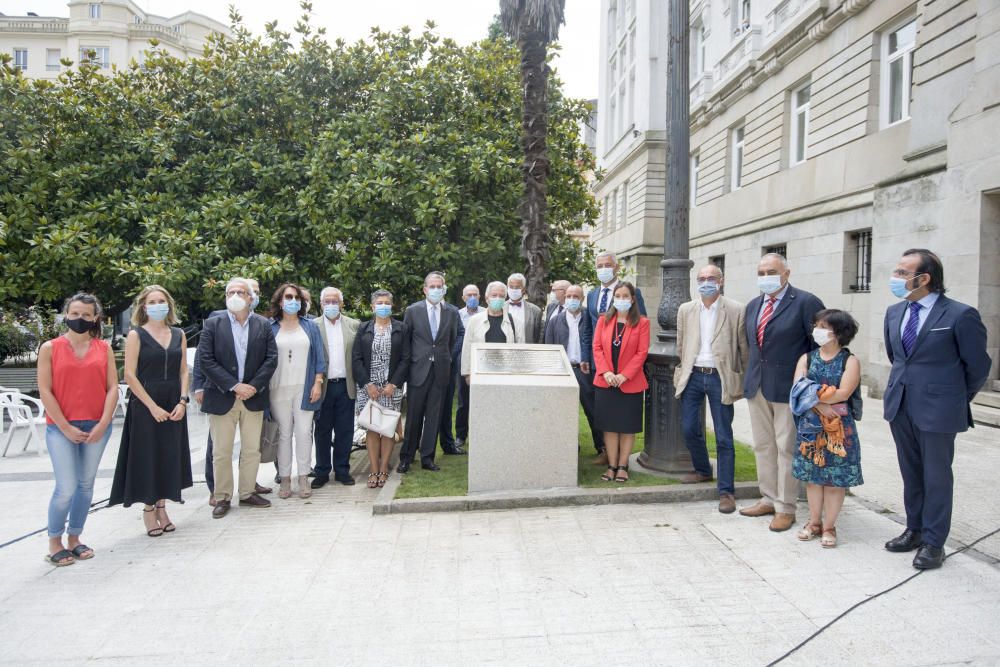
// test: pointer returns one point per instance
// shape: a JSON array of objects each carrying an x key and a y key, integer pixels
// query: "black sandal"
[
  {"x": 82, "y": 552},
  {"x": 622, "y": 480},
  {"x": 59, "y": 558},
  {"x": 152, "y": 532},
  {"x": 606, "y": 477},
  {"x": 170, "y": 527}
]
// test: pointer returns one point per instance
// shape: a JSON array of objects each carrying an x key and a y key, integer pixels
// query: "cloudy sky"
[{"x": 463, "y": 20}]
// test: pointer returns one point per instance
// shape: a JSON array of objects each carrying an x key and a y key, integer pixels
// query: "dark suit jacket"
[
  {"x": 557, "y": 333},
  {"x": 946, "y": 367},
  {"x": 197, "y": 377},
  {"x": 218, "y": 363},
  {"x": 594, "y": 300},
  {"x": 427, "y": 354},
  {"x": 787, "y": 337},
  {"x": 399, "y": 354}
]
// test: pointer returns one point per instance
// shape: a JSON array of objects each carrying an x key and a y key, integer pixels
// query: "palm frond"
[{"x": 544, "y": 16}]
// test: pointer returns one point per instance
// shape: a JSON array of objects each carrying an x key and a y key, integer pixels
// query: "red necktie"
[{"x": 768, "y": 311}]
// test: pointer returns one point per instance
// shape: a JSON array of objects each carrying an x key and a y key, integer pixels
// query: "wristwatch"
[{"x": 185, "y": 399}]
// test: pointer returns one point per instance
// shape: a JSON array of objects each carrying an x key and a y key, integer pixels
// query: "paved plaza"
[{"x": 325, "y": 581}]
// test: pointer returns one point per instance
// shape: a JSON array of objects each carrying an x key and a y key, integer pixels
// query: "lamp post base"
[{"x": 664, "y": 449}]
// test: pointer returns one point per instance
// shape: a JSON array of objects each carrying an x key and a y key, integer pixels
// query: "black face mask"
[{"x": 80, "y": 325}]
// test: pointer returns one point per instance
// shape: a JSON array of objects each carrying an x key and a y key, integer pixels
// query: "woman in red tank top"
[{"x": 78, "y": 384}]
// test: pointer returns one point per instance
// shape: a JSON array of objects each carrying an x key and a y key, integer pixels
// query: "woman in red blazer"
[{"x": 621, "y": 343}]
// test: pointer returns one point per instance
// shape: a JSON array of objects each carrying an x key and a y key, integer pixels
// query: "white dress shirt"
[
  {"x": 927, "y": 303},
  {"x": 777, "y": 302},
  {"x": 465, "y": 314},
  {"x": 573, "y": 350},
  {"x": 516, "y": 311},
  {"x": 336, "y": 369},
  {"x": 706, "y": 319}
]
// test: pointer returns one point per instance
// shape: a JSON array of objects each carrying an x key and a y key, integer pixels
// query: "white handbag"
[{"x": 378, "y": 418}]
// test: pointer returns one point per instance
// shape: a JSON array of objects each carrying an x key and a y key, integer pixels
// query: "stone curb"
[{"x": 565, "y": 497}]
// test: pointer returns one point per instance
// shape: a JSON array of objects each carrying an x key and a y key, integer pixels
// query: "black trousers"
[
  {"x": 444, "y": 429},
  {"x": 423, "y": 419},
  {"x": 462, "y": 414},
  {"x": 586, "y": 383},
  {"x": 334, "y": 432},
  {"x": 925, "y": 463}
]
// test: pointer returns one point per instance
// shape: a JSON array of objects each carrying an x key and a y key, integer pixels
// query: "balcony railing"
[
  {"x": 701, "y": 86},
  {"x": 33, "y": 25},
  {"x": 743, "y": 50}
]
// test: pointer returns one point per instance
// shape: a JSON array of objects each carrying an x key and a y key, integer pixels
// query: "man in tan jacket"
[{"x": 713, "y": 353}]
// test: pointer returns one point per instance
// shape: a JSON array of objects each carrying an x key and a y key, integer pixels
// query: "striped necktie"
[
  {"x": 764, "y": 318},
  {"x": 910, "y": 330}
]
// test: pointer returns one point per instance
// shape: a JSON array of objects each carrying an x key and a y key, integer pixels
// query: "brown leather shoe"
[
  {"x": 601, "y": 459},
  {"x": 695, "y": 478},
  {"x": 781, "y": 522},
  {"x": 253, "y": 500},
  {"x": 261, "y": 490},
  {"x": 759, "y": 508},
  {"x": 221, "y": 509},
  {"x": 727, "y": 503}
]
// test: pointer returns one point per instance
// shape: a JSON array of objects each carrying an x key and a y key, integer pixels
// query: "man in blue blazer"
[
  {"x": 601, "y": 298},
  {"x": 572, "y": 330},
  {"x": 778, "y": 328},
  {"x": 938, "y": 352}
]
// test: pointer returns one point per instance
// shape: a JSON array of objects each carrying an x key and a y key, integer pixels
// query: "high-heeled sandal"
[
  {"x": 618, "y": 478},
  {"x": 829, "y": 539},
  {"x": 808, "y": 532},
  {"x": 152, "y": 532},
  {"x": 170, "y": 527},
  {"x": 383, "y": 477},
  {"x": 372, "y": 480},
  {"x": 610, "y": 477}
]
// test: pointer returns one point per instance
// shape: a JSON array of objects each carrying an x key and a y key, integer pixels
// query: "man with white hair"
[
  {"x": 557, "y": 299},
  {"x": 238, "y": 357},
  {"x": 527, "y": 316},
  {"x": 601, "y": 298},
  {"x": 334, "y": 429}
]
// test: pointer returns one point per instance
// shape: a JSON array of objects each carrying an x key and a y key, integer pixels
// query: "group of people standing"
[
  {"x": 787, "y": 354},
  {"x": 784, "y": 351}
]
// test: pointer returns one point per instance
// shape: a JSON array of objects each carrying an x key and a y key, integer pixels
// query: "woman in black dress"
[{"x": 154, "y": 460}]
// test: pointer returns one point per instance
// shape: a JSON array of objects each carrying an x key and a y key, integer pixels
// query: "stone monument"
[{"x": 524, "y": 418}]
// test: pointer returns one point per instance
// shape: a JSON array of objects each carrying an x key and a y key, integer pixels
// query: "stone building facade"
[
  {"x": 836, "y": 133},
  {"x": 109, "y": 32}
]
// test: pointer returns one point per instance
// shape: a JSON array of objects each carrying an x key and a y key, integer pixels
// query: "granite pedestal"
[{"x": 523, "y": 425}]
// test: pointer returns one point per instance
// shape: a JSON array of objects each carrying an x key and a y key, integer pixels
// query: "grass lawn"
[{"x": 453, "y": 478}]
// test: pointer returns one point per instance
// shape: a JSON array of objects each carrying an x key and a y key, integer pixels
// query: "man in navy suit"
[
  {"x": 778, "y": 327},
  {"x": 435, "y": 327},
  {"x": 601, "y": 298},
  {"x": 571, "y": 329},
  {"x": 938, "y": 352}
]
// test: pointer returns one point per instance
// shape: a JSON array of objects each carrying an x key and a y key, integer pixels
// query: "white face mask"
[
  {"x": 514, "y": 293},
  {"x": 822, "y": 336},
  {"x": 605, "y": 274},
  {"x": 236, "y": 304}
]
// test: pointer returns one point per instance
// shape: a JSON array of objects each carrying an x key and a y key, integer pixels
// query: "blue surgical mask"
[
  {"x": 158, "y": 311},
  {"x": 496, "y": 303},
  {"x": 254, "y": 302},
  {"x": 606, "y": 274},
  {"x": 898, "y": 286},
  {"x": 708, "y": 288},
  {"x": 435, "y": 294},
  {"x": 472, "y": 303},
  {"x": 572, "y": 304},
  {"x": 383, "y": 310},
  {"x": 292, "y": 307},
  {"x": 331, "y": 310},
  {"x": 623, "y": 305},
  {"x": 515, "y": 293},
  {"x": 769, "y": 284}
]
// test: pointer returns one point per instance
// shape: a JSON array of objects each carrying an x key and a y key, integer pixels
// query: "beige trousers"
[
  {"x": 774, "y": 439},
  {"x": 223, "y": 427}
]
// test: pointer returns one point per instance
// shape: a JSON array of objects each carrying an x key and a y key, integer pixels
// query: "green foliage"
[{"x": 363, "y": 165}]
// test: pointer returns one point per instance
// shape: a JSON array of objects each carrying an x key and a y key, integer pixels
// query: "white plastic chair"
[
  {"x": 19, "y": 409},
  {"x": 122, "y": 399}
]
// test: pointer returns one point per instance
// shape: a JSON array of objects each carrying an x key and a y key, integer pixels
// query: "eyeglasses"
[
  {"x": 903, "y": 273},
  {"x": 236, "y": 292}
]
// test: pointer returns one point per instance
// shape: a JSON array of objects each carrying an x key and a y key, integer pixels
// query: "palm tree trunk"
[{"x": 534, "y": 126}]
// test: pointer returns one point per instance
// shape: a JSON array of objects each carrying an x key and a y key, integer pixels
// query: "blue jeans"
[
  {"x": 699, "y": 387},
  {"x": 75, "y": 467}
]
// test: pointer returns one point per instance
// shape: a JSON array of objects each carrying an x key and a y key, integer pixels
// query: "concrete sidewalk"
[{"x": 325, "y": 580}]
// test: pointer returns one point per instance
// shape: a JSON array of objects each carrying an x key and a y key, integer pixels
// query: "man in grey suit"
[
  {"x": 334, "y": 427},
  {"x": 557, "y": 305},
  {"x": 435, "y": 327},
  {"x": 571, "y": 329},
  {"x": 778, "y": 326},
  {"x": 937, "y": 347},
  {"x": 527, "y": 316}
]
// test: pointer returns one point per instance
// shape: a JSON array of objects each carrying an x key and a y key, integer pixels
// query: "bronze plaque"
[{"x": 516, "y": 361}]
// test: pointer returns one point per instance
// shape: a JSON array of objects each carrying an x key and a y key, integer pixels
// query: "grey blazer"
[
  {"x": 534, "y": 332},
  {"x": 350, "y": 328}
]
